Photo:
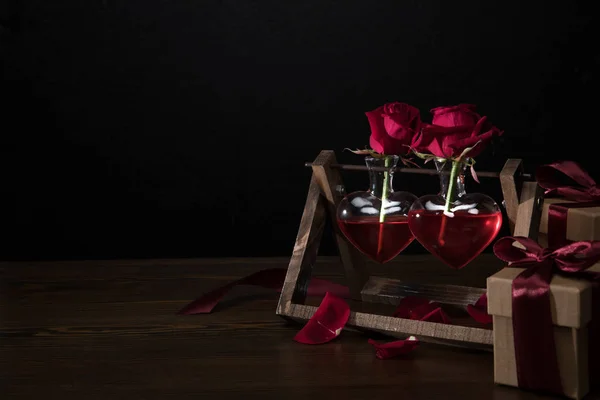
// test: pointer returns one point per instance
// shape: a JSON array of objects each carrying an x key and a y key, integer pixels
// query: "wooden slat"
[
  {"x": 529, "y": 212},
  {"x": 306, "y": 247},
  {"x": 352, "y": 260},
  {"x": 398, "y": 327},
  {"x": 391, "y": 291},
  {"x": 508, "y": 181}
]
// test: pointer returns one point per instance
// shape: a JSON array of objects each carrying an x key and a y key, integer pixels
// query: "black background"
[{"x": 146, "y": 128}]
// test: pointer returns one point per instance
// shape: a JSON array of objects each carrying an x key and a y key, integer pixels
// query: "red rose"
[
  {"x": 449, "y": 142},
  {"x": 462, "y": 128},
  {"x": 393, "y": 127},
  {"x": 462, "y": 114}
]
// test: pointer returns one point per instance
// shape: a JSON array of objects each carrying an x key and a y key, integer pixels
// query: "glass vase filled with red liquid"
[
  {"x": 375, "y": 221},
  {"x": 454, "y": 226}
]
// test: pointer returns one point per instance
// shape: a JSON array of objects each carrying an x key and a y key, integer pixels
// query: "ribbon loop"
[
  {"x": 505, "y": 250},
  {"x": 584, "y": 190},
  {"x": 577, "y": 256},
  {"x": 574, "y": 257}
]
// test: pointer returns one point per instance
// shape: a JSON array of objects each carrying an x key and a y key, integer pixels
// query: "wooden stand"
[{"x": 325, "y": 193}]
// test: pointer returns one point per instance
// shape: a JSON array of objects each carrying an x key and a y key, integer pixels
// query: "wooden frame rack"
[{"x": 523, "y": 202}]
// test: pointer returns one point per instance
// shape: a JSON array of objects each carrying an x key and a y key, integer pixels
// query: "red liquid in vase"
[
  {"x": 454, "y": 240},
  {"x": 379, "y": 241}
]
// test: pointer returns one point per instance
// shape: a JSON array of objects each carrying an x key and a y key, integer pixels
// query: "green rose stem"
[
  {"x": 384, "y": 196},
  {"x": 449, "y": 199},
  {"x": 452, "y": 184},
  {"x": 386, "y": 183}
]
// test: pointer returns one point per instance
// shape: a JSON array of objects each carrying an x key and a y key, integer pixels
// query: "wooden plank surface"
[{"x": 109, "y": 330}]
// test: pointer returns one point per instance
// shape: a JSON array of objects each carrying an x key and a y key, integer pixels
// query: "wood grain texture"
[
  {"x": 108, "y": 330},
  {"x": 509, "y": 181},
  {"x": 402, "y": 328},
  {"x": 529, "y": 211},
  {"x": 306, "y": 247},
  {"x": 391, "y": 291}
]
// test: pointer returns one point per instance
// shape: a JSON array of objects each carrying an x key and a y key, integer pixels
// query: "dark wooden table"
[{"x": 109, "y": 330}]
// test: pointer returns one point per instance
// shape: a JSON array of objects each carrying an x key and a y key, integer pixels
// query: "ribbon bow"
[
  {"x": 586, "y": 189},
  {"x": 535, "y": 350},
  {"x": 585, "y": 194},
  {"x": 572, "y": 258}
]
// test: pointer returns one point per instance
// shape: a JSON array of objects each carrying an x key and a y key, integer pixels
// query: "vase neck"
[
  {"x": 457, "y": 189},
  {"x": 381, "y": 181}
]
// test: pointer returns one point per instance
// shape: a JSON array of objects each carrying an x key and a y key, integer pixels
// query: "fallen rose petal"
[
  {"x": 478, "y": 311},
  {"x": 397, "y": 348},
  {"x": 272, "y": 278},
  {"x": 437, "y": 315},
  {"x": 418, "y": 308},
  {"x": 423, "y": 311},
  {"x": 407, "y": 306},
  {"x": 327, "y": 322}
]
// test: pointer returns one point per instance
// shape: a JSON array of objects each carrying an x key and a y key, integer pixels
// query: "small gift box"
[
  {"x": 581, "y": 223},
  {"x": 546, "y": 316},
  {"x": 571, "y": 212}
]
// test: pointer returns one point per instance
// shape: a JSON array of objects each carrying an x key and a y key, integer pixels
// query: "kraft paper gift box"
[
  {"x": 571, "y": 306},
  {"x": 583, "y": 223},
  {"x": 572, "y": 196}
]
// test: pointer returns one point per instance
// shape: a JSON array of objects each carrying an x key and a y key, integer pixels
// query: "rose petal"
[
  {"x": 327, "y": 322},
  {"x": 267, "y": 278},
  {"x": 397, "y": 348},
  {"x": 407, "y": 305},
  {"x": 418, "y": 308},
  {"x": 461, "y": 114},
  {"x": 425, "y": 311},
  {"x": 437, "y": 315},
  {"x": 478, "y": 311}
]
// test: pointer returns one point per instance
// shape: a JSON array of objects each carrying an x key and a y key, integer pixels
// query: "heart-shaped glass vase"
[
  {"x": 454, "y": 226},
  {"x": 376, "y": 221}
]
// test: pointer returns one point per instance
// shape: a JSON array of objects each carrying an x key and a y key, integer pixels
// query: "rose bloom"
[
  {"x": 454, "y": 129},
  {"x": 393, "y": 128}
]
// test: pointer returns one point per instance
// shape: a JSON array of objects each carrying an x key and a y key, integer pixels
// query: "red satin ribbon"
[
  {"x": 585, "y": 193},
  {"x": 585, "y": 190},
  {"x": 267, "y": 278},
  {"x": 535, "y": 350},
  {"x": 557, "y": 221},
  {"x": 593, "y": 343}
]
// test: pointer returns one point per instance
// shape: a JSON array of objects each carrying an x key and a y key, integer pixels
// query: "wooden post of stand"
[
  {"x": 330, "y": 182},
  {"x": 323, "y": 198},
  {"x": 509, "y": 181}
]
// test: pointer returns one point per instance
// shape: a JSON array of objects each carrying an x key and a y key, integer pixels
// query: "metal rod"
[{"x": 422, "y": 171}]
